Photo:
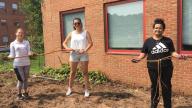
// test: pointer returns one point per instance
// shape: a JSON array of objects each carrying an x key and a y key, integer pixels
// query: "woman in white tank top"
[{"x": 80, "y": 42}]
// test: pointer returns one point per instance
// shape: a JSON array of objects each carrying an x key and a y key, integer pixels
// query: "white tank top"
[{"x": 79, "y": 40}]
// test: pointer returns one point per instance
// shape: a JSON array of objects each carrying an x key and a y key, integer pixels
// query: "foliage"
[
  {"x": 60, "y": 74},
  {"x": 37, "y": 44},
  {"x": 5, "y": 66},
  {"x": 95, "y": 77},
  {"x": 33, "y": 20},
  {"x": 33, "y": 15},
  {"x": 37, "y": 64}
]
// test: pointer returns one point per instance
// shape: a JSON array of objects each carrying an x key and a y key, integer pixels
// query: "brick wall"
[
  {"x": 11, "y": 16},
  {"x": 116, "y": 67}
]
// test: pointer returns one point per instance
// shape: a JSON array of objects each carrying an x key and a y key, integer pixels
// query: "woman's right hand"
[
  {"x": 81, "y": 51},
  {"x": 135, "y": 60},
  {"x": 182, "y": 56}
]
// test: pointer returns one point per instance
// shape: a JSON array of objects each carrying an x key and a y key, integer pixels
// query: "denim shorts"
[{"x": 75, "y": 57}]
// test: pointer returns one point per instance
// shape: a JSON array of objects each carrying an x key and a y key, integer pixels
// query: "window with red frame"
[
  {"x": 186, "y": 25},
  {"x": 67, "y": 20},
  {"x": 124, "y": 25}
]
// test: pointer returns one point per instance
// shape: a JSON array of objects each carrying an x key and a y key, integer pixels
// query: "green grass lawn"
[{"x": 37, "y": 64}]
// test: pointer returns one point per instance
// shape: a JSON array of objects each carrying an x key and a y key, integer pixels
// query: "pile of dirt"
[{"x": 51, "y": 94}]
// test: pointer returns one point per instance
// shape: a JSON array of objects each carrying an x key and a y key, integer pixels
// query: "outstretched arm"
[
  {"x": 12, "y": 52},
  {"x": 179, "y": 56}
]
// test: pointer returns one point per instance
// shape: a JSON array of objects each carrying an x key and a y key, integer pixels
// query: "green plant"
[
  {"x": 33, "y": 21},
  {"x": 60, "y": 74},
  {"x": 37, "y": 64},
  {"x": 95, "y": 77},
  {"x": 5, "y": 66}
]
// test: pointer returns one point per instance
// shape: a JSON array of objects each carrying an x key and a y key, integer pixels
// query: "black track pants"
[{"x": 166, "y": 75}]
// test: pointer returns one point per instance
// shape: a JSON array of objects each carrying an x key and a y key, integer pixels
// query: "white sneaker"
[
  {"x": 86, "y": 93},
  {"x": 68, "y": 93}
]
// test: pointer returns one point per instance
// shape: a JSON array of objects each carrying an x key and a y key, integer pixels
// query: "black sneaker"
[
  {"x": 19, "y": 97},
  {"x": 25, "y": 95}
]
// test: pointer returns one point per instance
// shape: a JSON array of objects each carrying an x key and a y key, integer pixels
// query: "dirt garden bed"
[{"x": 51, "y": 94}]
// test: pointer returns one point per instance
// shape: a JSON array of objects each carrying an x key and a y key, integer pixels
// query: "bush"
[
  {"x": 5, "y": 66},
  {"x": 95, "y": 77},
  {"x": 60, "y": 74}
]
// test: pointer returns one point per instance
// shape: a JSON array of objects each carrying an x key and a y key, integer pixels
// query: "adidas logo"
[{"x": 159, "y": 48}]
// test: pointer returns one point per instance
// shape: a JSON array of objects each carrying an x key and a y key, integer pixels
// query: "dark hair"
[
  {"x": 159, "y": 21},
  {"x": 78, "y": 20}
]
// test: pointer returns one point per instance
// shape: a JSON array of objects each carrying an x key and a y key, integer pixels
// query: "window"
[
  {"x": 186, "y": 35},
  {"x": 17, "y": 23},
  {"x": 14, "y": 6},
  {"x": 124, "y": 26},
  {"x": 3, "y": 21},
  {"x": 2, "y": 5},
  {"x": 5, "y": 38},
  {"x": 67, "y": 20}
]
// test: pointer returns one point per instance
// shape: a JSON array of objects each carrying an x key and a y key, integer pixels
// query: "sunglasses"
[{"x": 77, "y": 23}]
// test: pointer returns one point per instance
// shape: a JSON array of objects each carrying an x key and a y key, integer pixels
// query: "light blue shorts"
[{"x": 75, "y": 57}]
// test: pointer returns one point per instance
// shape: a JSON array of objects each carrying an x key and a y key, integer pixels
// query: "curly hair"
[{"x": 159, "y": 21}]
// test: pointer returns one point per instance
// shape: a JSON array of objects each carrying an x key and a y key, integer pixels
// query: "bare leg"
[
  {"x": 85, "y": 73},
  {"x": 72, "y": 73}
]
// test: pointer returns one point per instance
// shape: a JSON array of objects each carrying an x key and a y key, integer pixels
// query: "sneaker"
[
  {"x": 68, "y": 93},
  {"x": 86, "y": 93},
  {"x": 25, "y": 95},
  {"x": 19, "y": 97}
]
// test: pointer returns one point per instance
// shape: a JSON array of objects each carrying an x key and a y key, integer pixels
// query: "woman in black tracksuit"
[{"x": 159, "y": 50}]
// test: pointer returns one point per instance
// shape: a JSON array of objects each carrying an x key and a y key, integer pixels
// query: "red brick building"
[
  {"x": 10, "y": 20},
  {"x": 118, "y": 29}
]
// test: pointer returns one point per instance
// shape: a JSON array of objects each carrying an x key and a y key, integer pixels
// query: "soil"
[{"x": 51, "y": 94}]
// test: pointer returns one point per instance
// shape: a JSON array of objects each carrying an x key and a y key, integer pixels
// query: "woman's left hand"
[{"x": 32, "y": 54}]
